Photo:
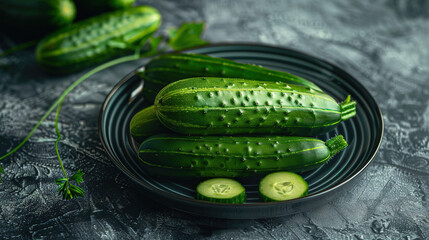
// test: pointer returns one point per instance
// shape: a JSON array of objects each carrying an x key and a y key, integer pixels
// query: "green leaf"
[
  {"x": 172, "y": 32},
  {"x": 68, "y": 190},
  {"x": 153, "y": 46},
  {"x": 138, "y": 47},
  {"x": 67, "y": 194},
  {"x": 76, "y": 191},
  {"x": 61, "y": 188},
  {"x": 61, "y": 180},
  {"x": 78, "y": 176},
  {"x": 188, "y": 35}
]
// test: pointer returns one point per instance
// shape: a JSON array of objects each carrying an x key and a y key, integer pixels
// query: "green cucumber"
[
  {"x": 169, "y": 155},
  {"x": 222, "y": 190},
  {"x": 169, "y": 68},
  {"x": 281, "y": 186},
  {"x": 35, "y": 17},
  {"x": 145, "y": 124},
  {"x": 87, "y": 8},
  {"x": 212, "y": 106},
  {"x": 97, "y": 39}
]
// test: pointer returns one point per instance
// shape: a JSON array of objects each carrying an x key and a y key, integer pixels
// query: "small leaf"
[
  {"x": 172, "y": 32},
  {"x": 76, "y": 191},
  {"x": 154, "y": 42},
  {"x": 61, "y": 180},
  {"x": 141, "y": 44},
  {"x": 78, "y": 176},
  {"x": 67, "y": 189},
  {"x": 67, "y": 194},
  {"x": 153, "y": 46},
  {"x": 61, "y": 188},
  {"x": 188, "y": 35}
]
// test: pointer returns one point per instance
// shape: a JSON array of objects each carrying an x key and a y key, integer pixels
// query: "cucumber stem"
[
  {"x": 348, "y": 109},
  {"x": 336, "y": 144}
]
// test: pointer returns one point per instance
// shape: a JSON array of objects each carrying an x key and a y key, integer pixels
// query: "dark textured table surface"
[{"x": 384, "y": 44}]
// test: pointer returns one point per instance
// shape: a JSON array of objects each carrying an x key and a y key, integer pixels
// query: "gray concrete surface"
[{"x": 384, "y": 44}]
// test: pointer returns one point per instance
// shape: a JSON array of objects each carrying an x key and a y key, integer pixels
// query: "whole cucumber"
[
  {"x": 231, "y": 156},
  {"x": 145, "y": 124},
  {"x": 168, "y": 68},
  {"x": 208, "y": 106},
  {"x": 35, "y": 17},
  {"x": 96, "y": 39}
]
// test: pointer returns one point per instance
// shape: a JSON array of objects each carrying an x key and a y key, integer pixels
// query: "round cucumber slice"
[
  {"x": 280, "y": 186},
  {"x": 223, "y": 190}
]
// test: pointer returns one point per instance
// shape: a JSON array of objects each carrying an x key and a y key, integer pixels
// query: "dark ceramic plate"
[{"x": 363, "y": 134}]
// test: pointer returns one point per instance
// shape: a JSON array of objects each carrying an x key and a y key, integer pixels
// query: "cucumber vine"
[{"x": 178, "y": 40}]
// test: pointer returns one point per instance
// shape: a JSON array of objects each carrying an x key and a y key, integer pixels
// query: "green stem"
[
  {"x": 336, "y": 144},
  {"x": 57, "y": 130},
  {"x": 348, "y": 109},
  {"x": 18, "y": 47}
]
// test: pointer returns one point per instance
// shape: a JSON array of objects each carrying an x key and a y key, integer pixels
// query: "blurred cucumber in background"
[
  {"x": 97, "y": 39},
  {"x": 88, "y": 8},
  {"x": 104, "y": 29},
  {"x": 29, "y": 19},
  {"x": 34, "y": 18}
]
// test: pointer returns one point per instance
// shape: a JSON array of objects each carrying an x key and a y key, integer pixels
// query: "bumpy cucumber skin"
[
  {"x": 266, "y": 198},
  {"x": 215, "y": 106},
  {"x": 170, "y": 155},
  {"x": 36, "y": 16},
  {"x": 145, "y": 124},
  {"x": 238, "y": 199},
  {"x": 168, "y": 68},
  {"x": 97, "y": 39}
]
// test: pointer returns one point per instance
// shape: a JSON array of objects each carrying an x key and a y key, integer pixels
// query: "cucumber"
[
  {"x": 281, "y": 186},
  {"x": 145, "y": 124},
  {"x": 87, "y": 8},
  {"x": 169, "y": 155},
  {"x": 168, "y": 68},
  {"x": 36, "y": 17},
  {"x": 213, "y": 106},
  {"x": 96, "y": 39},
  {"x": 222, "y": 190}
]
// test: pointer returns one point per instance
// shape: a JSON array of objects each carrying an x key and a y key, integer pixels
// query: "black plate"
[{"x": 363, "y": 134}]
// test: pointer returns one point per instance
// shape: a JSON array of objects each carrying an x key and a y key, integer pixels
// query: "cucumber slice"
[
  {"x": 223, "y": 190},
  {"x": 280, "y": 186}
]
